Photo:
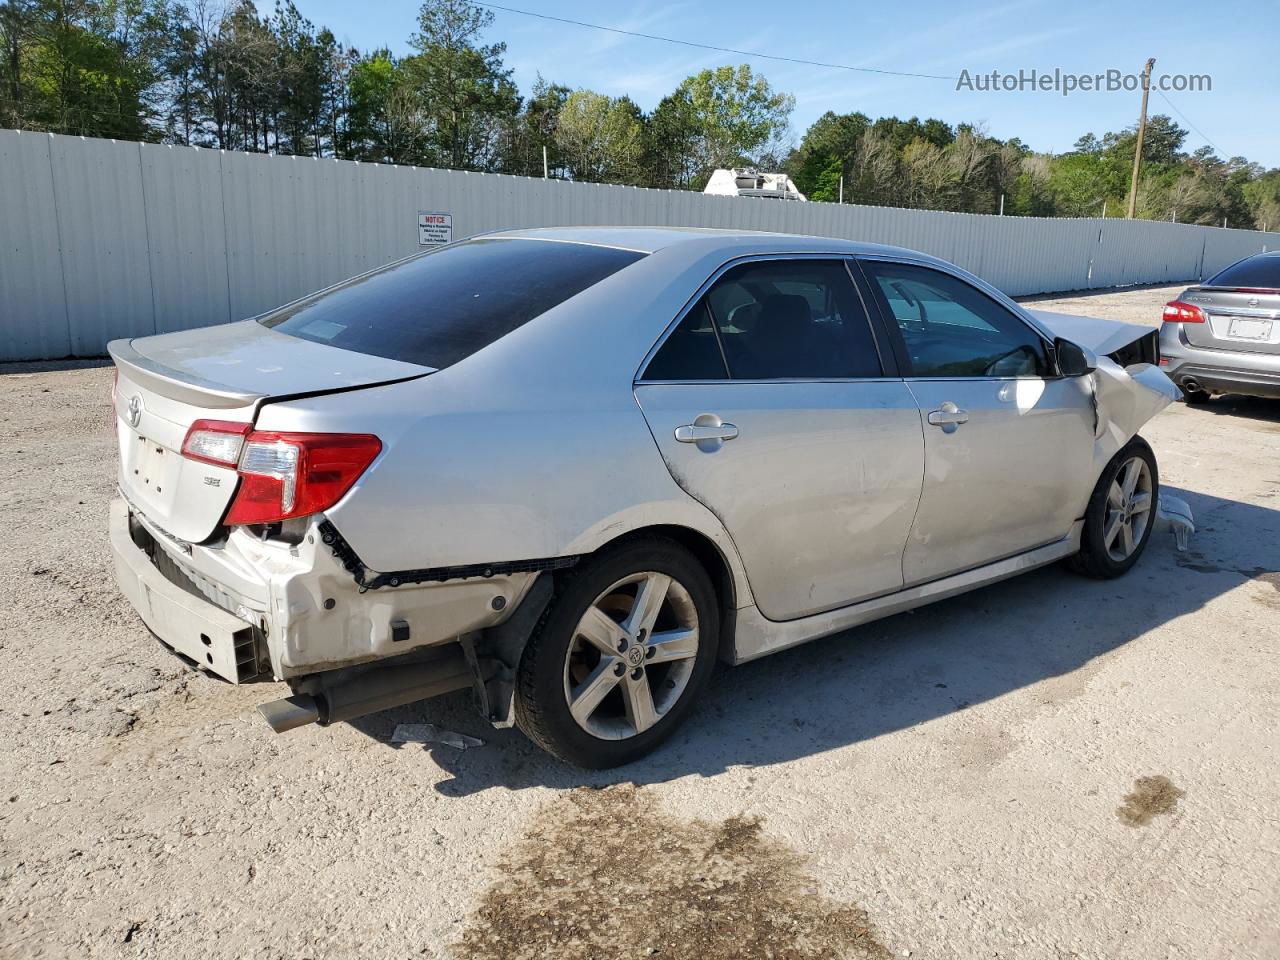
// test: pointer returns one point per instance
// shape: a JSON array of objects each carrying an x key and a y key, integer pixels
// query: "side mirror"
[{"x": 1073, "y": 359}]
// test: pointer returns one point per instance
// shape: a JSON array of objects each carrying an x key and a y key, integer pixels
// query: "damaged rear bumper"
[
  {"x": 298, "y": 603},
  {"x": 212, "y": 638}
]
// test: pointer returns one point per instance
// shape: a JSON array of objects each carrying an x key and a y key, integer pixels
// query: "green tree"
[
  {"x": 533, "y": 130},
  {"x": 829, "y": 144},
  {"x": 672, "y": 158},
  {"x": 385, "y": 121},
  {"x": 300, "y": 67},
  {"x": 464, "y": 89},
  {"x": 822, "y": 178},
  {"x": 84, "y": 67},
  {"x": 1262, "y": 197},
  {"x": 735, "y": 113},
  {"x": 601, "y": 138}
]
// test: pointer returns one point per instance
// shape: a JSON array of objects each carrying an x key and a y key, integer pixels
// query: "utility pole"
[
  {"x": 1002, "y": 204},
  {"x": 1142, "y": 130},
  {"x": 1104, "y": 208},
  {"x": 544, "y": 161},
  {"x": 842, "y": 188}
]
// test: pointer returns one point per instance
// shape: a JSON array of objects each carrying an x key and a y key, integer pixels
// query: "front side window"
[
  {"x": 772, "y": 320},
  {"x": 440, "y": 307},
  {"x": 953, "y": 329}
]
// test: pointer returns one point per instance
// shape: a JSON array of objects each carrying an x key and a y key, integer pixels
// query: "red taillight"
[
  {"x": 215, "y": 441},
  {"x": 282, "y": 475},
  {"x": 285, "y": 475},
  {"x": 1175, "y": 311}
]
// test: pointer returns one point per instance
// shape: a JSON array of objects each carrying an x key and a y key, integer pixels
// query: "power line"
[
  {"x": 1188, "y": 122},
  {"x": 708, "y": 46}
]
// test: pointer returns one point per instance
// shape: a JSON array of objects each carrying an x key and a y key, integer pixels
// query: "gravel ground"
[{"x": 1047, "y": 768}]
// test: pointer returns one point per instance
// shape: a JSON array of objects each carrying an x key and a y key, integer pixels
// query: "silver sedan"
[
  {"x": 1223, "y": 336},
  {"x": 569, "y": 469}
]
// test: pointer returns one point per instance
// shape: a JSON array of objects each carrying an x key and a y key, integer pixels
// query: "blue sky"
[{"x": 1232, "y": 41}]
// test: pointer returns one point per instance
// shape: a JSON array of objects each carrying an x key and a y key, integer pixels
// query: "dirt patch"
[
  {"x": 1151, "y": 797},
  {"x": 1267, "y": 576},
  {"x": 1197, "y": 562},
  {"x": 608, "y": 874}
]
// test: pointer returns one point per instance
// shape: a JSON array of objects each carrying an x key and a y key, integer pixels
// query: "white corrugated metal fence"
[{"x": 102, "y": 239}]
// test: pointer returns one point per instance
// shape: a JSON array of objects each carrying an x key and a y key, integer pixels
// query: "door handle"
[
  {"x": 696, "y": 432},
  {"x": 948, "y": 416}
]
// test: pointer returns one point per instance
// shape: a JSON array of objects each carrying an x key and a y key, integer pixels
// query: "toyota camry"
[{"x": 570, "y": 469}]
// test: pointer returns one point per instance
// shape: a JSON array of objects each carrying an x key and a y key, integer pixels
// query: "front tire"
[
  {"x": 1121, "y": 513},
  {"x": 625, "y": 648}
]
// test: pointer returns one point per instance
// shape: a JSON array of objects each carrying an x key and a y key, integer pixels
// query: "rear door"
[
  {"x": 772, "y": 406},
  {"x": 1008, "y": 444}
]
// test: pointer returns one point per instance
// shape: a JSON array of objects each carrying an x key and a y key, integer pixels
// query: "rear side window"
[
  {"x": 1260, "y": 271},
  {"x": 773, "y": 320},
  {"x": 443, "y": 306},
  {"x": 692, "y": 352}
]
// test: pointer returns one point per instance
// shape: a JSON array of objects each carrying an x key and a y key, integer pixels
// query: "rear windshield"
[
  {"x": 1262, "y": 271},
  {"x": 443, "y": 306}
]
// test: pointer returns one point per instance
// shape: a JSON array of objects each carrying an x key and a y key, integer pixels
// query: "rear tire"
[
  {"x": 1121, "y": 514},
  {"x": 621, "y": 655}
]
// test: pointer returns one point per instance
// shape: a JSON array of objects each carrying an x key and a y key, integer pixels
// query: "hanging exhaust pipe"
[
  {"x": 347, "y": 696},
  {"x": 1191, "y": 385}
]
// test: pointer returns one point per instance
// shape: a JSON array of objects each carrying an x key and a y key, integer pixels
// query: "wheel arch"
[{"x": 712, "y": 558}]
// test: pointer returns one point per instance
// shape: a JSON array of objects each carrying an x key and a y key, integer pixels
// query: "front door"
[
  {"x": 1008, "y": 444},
  {"x": 771, "y": 407}
]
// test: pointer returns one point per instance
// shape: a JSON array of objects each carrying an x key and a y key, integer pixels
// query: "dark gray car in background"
[{"x": 1224, "y": 335}]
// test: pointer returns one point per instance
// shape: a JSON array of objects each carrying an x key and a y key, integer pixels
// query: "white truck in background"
[{"x": 753, "y": 183}]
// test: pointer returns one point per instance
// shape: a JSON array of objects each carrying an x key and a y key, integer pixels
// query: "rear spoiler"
[{"x": 184, "y": 387}]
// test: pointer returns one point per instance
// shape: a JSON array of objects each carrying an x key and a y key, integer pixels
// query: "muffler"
[
  {"x": 348, "y": 695},
  {"x": 1191, "y": 385}
]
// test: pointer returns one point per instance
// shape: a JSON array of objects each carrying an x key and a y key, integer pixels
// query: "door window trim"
[
  {"x": 887, "y": 357},
  {"x": 1000, "y": 300}
]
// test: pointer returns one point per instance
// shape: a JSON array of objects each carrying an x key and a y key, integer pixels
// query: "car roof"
[{"x": 653, "y": 239}]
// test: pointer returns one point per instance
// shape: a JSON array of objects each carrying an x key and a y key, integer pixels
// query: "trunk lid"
[
  {"x": 166, "y": 383},
  {"x": 1241, "y": 320}
]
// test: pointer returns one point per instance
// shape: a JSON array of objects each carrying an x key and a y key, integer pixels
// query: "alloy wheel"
[
  {"x": 1129, "y": 503},
  {"x": 631, "y": 656}
]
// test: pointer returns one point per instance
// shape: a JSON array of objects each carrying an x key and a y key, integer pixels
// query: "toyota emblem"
[
  {"x": 135, "y": 410},
  {"x": 1253, "y": 301}
]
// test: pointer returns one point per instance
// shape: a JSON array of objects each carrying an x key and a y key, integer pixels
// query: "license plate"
[{"x": 1250, "y": 329}]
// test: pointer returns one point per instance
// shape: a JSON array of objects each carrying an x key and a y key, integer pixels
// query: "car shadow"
[
  {"x": 1261, "y": 409},
  {"x": 899, "y": 672}
]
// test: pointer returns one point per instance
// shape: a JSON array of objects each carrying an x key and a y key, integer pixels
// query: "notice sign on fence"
[{"x": 434, "y": 228}]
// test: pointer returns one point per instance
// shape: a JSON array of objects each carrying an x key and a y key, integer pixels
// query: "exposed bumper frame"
[{"x": 215, "y": 640}]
